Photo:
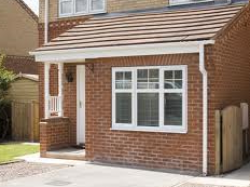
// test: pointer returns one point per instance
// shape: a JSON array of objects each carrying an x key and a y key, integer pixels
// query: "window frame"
[
  {"x": 74, "y": 13},
  {"x": 134, "y": 91},
  {"x": 188, "y": 2}
]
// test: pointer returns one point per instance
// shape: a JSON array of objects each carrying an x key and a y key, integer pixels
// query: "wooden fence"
[
  {"x": 25, "y": 121},
  {"x": 229, "y": 145}
]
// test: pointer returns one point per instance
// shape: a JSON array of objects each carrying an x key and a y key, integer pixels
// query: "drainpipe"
[
  {"x": 205, "y": 107},
  {"x": 203, "y": 71},
  {"x": 46, "y": 21}
]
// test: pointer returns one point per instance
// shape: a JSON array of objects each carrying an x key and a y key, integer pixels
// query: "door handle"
[{"x": 80, "y": 104}]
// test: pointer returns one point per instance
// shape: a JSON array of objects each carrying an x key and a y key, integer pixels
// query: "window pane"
[
  {"x": 97, "y": 5},
  {"x": 173, "y": 79},
  {"x": 169, "y": 75},
  {"x": 123, "y": 108},
  {"x": 66, "y": 7},
  {"x": 148, "y": 109},
  {"x": 173, "y": 109},
  {"x": 128, "y": 76},
  {"x": 142, "y": 74},
  {"x": 81, "y": 5},
  {"x": 148, "y": 79},
  {"x": 119, "y": 76},
  {"x": 153, "y": 73},
  {"x": 178, "y": 74},
  {"x": 123, "y": 80}
]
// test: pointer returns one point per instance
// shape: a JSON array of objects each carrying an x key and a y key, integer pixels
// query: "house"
[
  {"x": 138, "y": 82},
  {"x": 19, "y": 35}
]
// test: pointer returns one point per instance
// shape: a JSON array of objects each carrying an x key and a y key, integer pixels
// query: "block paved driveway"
[{"x": 91, "y": 175}]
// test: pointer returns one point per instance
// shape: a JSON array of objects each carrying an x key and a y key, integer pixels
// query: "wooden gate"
[
  {"x": 25, "y": 121},
  {"x": 229, "y": 139}
]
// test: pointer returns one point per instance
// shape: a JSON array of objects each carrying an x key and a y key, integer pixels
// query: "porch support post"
[
  {"x": 46, "y": 90},
  {"x": 60, "y": 88}
]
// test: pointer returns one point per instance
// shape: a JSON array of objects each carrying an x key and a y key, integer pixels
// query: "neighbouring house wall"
[
  {"x": 228, "y": 63},
  {"x": 23, "y": 64},
  {"x": 18, "y": 29},
  {"x": 24, "y": 90}
]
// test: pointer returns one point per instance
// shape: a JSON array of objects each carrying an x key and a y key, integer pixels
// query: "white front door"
[{"x": 80, "y": 105}]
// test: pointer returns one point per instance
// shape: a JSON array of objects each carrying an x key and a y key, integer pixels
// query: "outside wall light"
[{"x": 69, "y": 76}]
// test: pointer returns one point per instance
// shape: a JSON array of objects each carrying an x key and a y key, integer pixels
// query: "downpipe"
[{"x": 203, "y": 71}]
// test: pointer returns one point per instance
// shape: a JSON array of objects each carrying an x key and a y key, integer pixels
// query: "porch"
[{"x": 63, "y": 127}]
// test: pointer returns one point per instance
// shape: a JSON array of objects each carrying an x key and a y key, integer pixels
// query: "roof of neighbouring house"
[
  {"x": 27, "y": 9},
  {"x": 146, "y": 28},
  {"x": 32, "y": 77}
]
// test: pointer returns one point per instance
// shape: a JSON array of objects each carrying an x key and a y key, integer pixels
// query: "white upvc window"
[
  {"x": 179, "y": 2},
  {"x": 81, "y": 7},
  {"x": 150, "y": 99}
]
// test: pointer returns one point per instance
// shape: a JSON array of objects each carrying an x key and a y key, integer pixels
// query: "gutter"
[
  {"x": 203, "y": 71},
  {"x": 75, "y": 55},
  {"x": 46, "y": 21}
]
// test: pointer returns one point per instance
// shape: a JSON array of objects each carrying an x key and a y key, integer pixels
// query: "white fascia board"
[{"x": 77, "y": 55}]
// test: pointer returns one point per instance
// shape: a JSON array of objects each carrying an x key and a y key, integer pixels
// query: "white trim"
[
  {"x": 81, "y": 116},
  {"x": 75, "y": 55},
  {"x": 46, "y": 91},
  {"x": 171, "y": 2},
  {"x": 60, "y": 88},
  {"x": 162, "y": 127},
  {"x": 204, "y": 109},
  {"x": 73, "y": 9}
]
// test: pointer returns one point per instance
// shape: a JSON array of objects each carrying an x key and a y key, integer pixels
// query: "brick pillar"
[{"x": 54, "y": 134}]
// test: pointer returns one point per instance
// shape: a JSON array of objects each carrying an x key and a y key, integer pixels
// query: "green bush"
[{"x": 6, "y": 78}]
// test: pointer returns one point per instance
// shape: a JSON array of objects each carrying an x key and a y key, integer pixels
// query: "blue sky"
[{"x": 33, "y": 4}]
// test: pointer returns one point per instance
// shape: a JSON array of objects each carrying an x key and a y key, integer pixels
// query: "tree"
[{"x": 6, "y": 78}]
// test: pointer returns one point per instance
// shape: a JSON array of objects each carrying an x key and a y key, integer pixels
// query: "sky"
[{"x": 33, "y": 4}]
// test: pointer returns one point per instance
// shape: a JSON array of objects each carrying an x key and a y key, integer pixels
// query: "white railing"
[{"x": 55, "y": 107}]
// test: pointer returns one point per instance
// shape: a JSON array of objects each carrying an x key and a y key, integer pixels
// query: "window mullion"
[
  {"x": 161, "y": 99},
  {"x": 73, "y": 7},
  {"x": 134, "y": 98},
  {"x": 113, "y": 99}
]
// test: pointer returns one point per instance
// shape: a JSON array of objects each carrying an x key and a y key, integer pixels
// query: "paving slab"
[
  {"x": 93, "y": 175},
  {"x": 35, "y": 158}
]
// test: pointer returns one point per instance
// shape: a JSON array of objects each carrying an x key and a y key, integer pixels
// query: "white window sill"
[
  {"x": 188, "y": 3},
  {"x": 80, "y": 14},
  {"x": 171, "y": 130}
]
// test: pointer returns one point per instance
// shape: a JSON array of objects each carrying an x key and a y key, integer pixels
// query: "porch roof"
[{"x": 146, "y": 28}]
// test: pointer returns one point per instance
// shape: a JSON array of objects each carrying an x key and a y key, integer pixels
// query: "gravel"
[{"x": 22, "y": 169}]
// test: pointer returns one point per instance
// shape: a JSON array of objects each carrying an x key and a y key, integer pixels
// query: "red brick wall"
[
  {"x": 24, "y": 64},
  {"x": 153, "y": 150},
  {"x": 54, "y": 134},
  {"x": 228, "y": 63},
  {"x": 70, "y": 101}
]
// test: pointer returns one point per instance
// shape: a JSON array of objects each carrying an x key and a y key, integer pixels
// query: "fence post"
[
  {"x": 218, "y": 142},
  {"x": 31, "y": 121},
  {"x": 12, "y": 120}
]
